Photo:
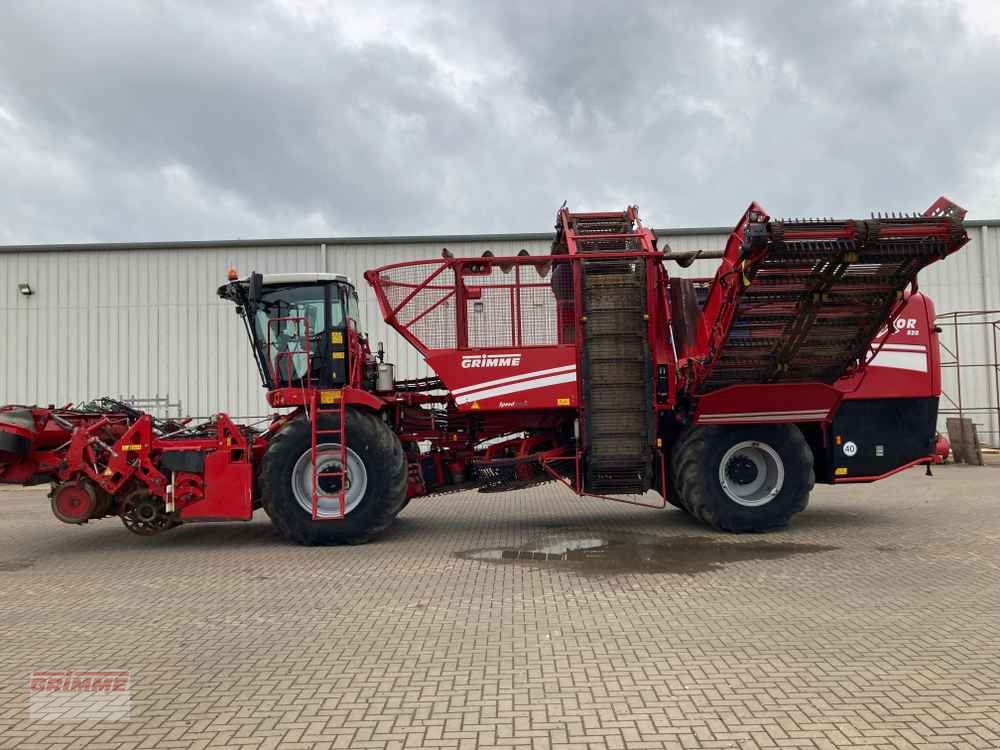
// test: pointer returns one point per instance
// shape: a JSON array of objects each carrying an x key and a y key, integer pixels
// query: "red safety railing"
[{"x": 274, "y": 363}]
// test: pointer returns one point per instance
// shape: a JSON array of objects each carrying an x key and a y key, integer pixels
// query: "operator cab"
[{"x": 297, "y": 324}]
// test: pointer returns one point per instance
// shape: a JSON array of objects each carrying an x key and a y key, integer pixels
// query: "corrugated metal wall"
[
  {"x": 147, "y": 322},
  {"x": 970, "y": 280}
]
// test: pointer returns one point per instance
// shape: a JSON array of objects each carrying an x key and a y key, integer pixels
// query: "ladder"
[
  {"x": 323, "y": 402},
  {"x": 336, "y": 414}
]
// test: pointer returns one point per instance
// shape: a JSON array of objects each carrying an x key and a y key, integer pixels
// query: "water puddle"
[
  {"x": 9, "y": 566},
  {"x": 613, "y": 553}
]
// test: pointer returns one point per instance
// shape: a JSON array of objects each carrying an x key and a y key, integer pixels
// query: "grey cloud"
[{"x": 181, "y": 120}]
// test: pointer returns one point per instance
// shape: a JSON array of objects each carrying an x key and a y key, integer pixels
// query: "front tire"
[
  {"x": 376, "y": 474},
  {"x": 743, "y": 478}
]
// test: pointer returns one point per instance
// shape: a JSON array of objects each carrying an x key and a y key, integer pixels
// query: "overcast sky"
[{"x": 164, "y": 119}]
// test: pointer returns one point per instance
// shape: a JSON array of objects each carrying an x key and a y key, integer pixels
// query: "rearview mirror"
[{"x": 256, "y": 287}]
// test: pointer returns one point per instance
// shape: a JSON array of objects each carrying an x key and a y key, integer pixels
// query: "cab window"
[
  {"x": 354, "y": 311},
  {"x": 290, "y": 321}
]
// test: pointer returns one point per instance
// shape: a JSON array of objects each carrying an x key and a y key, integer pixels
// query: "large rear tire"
[
  {"x": 743, "y": 478},
  {"x": 376, "y": 481},
  {"x": 674, "y": 496}
]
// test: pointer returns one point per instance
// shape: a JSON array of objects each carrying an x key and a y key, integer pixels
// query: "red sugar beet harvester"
[{"x": 809, "y": 357}]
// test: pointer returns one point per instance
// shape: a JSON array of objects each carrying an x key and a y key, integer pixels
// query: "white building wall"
[
  {"x": 970, "y": 280},
  {"x": 147, "y": 322}
]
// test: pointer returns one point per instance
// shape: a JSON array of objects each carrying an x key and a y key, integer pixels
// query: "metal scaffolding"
[{"x": 986, "y": 416}]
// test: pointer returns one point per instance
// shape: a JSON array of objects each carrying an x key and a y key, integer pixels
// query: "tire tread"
[
  {"x": 695, "y": 484},
  {"x": 386, "y": 466}
]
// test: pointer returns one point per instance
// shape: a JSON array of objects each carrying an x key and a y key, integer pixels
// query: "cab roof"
[
  {"x": 276, "y": 279},
  {"x": 228, "y": 290}
]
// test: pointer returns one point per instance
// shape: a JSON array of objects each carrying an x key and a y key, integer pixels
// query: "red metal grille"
[
  {"x": 510, "y": 305},
  {"x": 421, "y": 297},
  {"x": 498, "y": 302}
]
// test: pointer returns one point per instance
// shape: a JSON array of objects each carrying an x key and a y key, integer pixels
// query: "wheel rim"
[
  {"x": 751, "y": 473},
  {"x": 328, "y": 460},
  {"x": 144, "y": 514},
  {"x": 73, "y": 503}
]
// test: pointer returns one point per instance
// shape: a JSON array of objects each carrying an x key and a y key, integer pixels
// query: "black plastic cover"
[
  {"x": 871, "y": 437},
  {"x": 190, "y": 461}
]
